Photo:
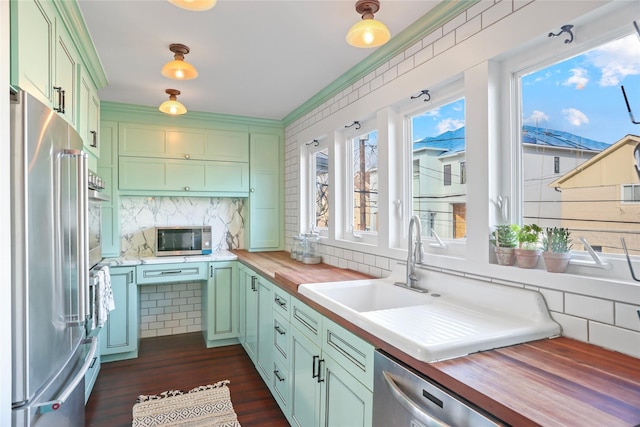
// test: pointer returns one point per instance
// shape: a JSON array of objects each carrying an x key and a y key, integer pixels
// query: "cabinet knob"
[
  {"x": 187, "y": 188},
  {"x": 252, "y": 190},
  {"x": 186, "y": 156}
]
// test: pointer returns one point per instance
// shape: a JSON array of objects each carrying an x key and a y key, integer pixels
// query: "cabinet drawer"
[
  {"x": 281, "y": 302},
  {"x": 350, "y": 351},
  {"x": 280, "y": 335},
  {"x": 281, "y": 385},
  {"x": 306, "y": 320},
  {"x": 171, "y": 273}
]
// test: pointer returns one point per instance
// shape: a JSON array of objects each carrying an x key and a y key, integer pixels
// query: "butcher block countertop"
[{"x": 553, "y": 382}]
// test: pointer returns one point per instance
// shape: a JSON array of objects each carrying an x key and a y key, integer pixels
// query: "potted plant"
[
  {"x": 556, "y": 243},
  {"x": 528, "y": 251},
  {"x": 505, "y": 240}
]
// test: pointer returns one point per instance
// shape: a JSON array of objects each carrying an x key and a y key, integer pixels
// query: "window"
[
  {"x": 447, "y": 175},
  {"x": 631, "y": 193},
  {"x": 575, "y": 136},
  {"x": 437, "y": 137},
  {"x": 364, "y": 181},
  {"x": 320, "y": 165}
]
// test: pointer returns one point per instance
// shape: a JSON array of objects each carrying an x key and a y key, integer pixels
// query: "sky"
[{"x": 580, "y": 95}]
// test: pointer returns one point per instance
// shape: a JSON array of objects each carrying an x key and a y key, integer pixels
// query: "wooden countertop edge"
[{"x": 437, "y": 371}]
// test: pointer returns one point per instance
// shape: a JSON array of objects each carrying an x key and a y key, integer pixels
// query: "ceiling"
[{"x": 260, "y": 58}]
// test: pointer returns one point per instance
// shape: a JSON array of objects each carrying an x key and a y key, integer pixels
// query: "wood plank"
[{"x": 180, "y": 362}]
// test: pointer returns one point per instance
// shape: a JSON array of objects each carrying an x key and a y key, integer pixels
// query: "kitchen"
[{"x": 377, "y": 259}]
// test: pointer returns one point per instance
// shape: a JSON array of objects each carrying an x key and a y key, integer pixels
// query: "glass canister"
[
  {"x": 297, "y": 248},
  {"x": 310, "y": 254},
  {"x": 300, "y": 251}
]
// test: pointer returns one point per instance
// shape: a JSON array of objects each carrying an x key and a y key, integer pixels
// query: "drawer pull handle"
[
  {"x": 94, "y": 138},
  {"x": 278, "y": 330},
  {"x": 277, "y": 374},
  {"x": 320, "y": 367},
  {"x": 171, "y": 272},
  {"x": 315, "y": 374},
  {"x": 253, "y": 283},
  {"x": 281, "y": 303}
]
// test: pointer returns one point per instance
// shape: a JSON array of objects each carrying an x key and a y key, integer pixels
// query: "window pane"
[
  {"x": 574, "y": 110},
  {"x": 321, "y": 162},
  {"x": 365, "y": 182},
  {"x": 439, "y": 196}
]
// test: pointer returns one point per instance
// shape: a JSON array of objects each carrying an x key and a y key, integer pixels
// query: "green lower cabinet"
[
  {"x": 265, "y": 329},
  {"x": 249, "y": 318},
  {"x": 119, "y": 336},
  {"x": 305, "y": 388},
  {"x": 220, "y": 304},
  {"x": 345, "y": 402}
]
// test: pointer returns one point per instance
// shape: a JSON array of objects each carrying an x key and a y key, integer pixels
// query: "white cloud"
[
  {"x": 431, "y": 113},
  {"x": 535, "y": 118},
  {"x": 575, "y": 117},
  {"x": 616, "y": 60},
  {"x": 579, "y": 78},
  {"x": 449, "y": 124}
]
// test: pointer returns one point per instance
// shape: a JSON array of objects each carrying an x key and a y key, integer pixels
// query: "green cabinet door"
[
  {"x": 108, "y": 171},
  {"x": 345, "y": 402},
  {"x": 265, "y": 193},
  {"x": 33, "y": 47},
  {"x": 250, "y": 342},
  {"x": 265, "y": 329},
  {"x": 88, "y": 114},
  {"x": 220, "y": 304},
  {"x": 66, "y": 75},
  {"x": 119, "y": 337},
  {"x": 305, "y": 388}
]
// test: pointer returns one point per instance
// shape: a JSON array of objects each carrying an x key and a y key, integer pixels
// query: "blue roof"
[
  {"x": 556, "y": 138},
  {"x": 452, "y": 142},
  {"x": 449, "y": 142}
]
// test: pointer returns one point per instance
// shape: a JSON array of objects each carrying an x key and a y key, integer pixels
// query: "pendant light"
[
  {"x": 173, "y": 106},
  {"x": 179, "y": 69},
  {"x": 195, "y": 5},
  {"x": 368, "y": 32}
]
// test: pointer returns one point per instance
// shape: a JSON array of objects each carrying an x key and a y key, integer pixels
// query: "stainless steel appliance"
[
  {"x": 183, "y": 240},
  {"x": 94, "y": 217},
  {"x": 49, "y": 267},
  {"x": 403, "y": 397}
]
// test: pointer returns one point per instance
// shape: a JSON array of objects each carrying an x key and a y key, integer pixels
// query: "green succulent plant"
[
  {"x": 505, "y": 236},
  {"x": 556, "y": 239}
]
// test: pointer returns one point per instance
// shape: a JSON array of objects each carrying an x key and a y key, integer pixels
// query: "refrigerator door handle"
[{"x": 55, "y": 404}]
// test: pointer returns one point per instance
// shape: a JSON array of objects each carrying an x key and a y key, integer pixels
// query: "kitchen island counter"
[{"x": 551, "y": 382}]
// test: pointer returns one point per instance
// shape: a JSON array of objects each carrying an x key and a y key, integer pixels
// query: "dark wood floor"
[{"x": 180, "y": 362}]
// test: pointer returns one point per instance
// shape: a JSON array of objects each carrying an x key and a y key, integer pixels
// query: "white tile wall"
[
  {"x": 170, "y": 309},
  {"x": 605, "y": 322}
]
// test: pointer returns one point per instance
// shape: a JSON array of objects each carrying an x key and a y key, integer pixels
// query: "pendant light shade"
[
  {"x": 195, "y": 5},
  {"x": 368, "y": 32},
  {"x": 179, "y": 69},
  {"x": 173, "y": 106}
]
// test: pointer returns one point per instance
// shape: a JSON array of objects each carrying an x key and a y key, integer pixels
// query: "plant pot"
[
  {"x": 527, "y": 258},
  {"x": 556, "y": 262},
  {"x": 505, "y": 256}
]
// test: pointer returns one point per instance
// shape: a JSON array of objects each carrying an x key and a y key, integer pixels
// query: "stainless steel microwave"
[{"x": 183, "y": 240}]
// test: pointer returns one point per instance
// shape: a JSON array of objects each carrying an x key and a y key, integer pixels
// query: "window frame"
[{"x": 312, "y": 150}]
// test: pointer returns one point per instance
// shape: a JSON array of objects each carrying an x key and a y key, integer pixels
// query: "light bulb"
[
  {"x": 179, "y": 74},
  {"x": 173, "y": 109},
  {"x": 368, "y": 37}
]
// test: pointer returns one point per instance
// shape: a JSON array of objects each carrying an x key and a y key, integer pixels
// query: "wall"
[
  {"x": 176, "y": 308},
  {"x": 590, "y": 307}
]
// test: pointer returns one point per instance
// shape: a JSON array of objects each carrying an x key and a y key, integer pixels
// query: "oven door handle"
[{"x": 413, "y": 408}]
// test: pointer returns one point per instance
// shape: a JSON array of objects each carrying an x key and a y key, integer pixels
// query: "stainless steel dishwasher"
[{"x": 404, "y": 398}]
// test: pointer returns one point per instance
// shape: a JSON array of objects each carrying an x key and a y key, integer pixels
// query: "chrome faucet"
[{"x": 414, "y": 255}]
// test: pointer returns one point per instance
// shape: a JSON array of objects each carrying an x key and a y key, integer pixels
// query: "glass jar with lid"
[
  {"x": 297, "y": 248},
  {"x": 310, "y": 254}
]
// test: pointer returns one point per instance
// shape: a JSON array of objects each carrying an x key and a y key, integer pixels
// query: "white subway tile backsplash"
[
  {"x": 572, "y": 327},
  {"x": 406, "y": 65},
  {"x": 496, "y": 13},
  {"x": 423, "y": 55},
  {"x": 432, "y": 37},
  {"x": 614, "y": 338},
  {"x": 627, "y": 316},
  {"x": 454, "y": 23},
  {"x": 444, "y": 43},
  {"x": 382, "y": 263},
  {"x": 369, "y": 259},
  {"x": 589, "y": 308},
  {"x": 478, "y": 8},
  {"x": 412, "y": 50},
  {"x": 468, "y": 29},
  {"x": 166, "y": 306},
  {"x": 391, "y": 74},
  {"x": 554, "y": 299}
]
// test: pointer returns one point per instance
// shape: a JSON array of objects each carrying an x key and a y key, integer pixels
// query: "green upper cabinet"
[
  {"x": 264, "y": 231},
  {"x": 108, "y": 171},
  {"x": 89, "y": 114},
  {"x": 33, "y": 47},
  {"x": 53, "y": 58},
  {"x": 156, "y": 160}
]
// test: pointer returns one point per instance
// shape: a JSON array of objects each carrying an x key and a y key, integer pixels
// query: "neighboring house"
[
  {"x": 601, "y": 197},
  {"x": 439, "y": 176}
]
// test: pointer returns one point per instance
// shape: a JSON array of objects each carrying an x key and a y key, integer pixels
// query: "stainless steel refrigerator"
[{"x": 50, "y": 297}]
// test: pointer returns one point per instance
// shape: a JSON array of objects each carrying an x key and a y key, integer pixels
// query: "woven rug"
[{"x": 208, "y": 405}]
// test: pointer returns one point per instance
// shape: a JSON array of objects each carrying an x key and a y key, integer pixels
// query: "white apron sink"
[{"x": 458, "y": 315}]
